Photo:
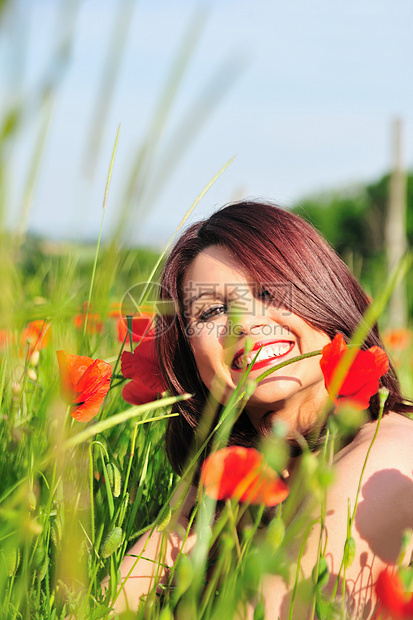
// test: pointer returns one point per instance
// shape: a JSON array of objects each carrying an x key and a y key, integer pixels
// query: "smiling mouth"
[{"x": 268, "y": 353}]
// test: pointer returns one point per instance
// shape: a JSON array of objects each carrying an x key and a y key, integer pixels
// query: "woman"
[{"x": 254, "y": 275}]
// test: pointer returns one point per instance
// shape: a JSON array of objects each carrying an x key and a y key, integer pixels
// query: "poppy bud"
[
  {"x": 34, "y": 358},
  {"x": 275, "y": 534},
  {"x": 349, "y": 552},
  {"x": 383, "y": 394},
  {"x": 16, "y": 388},
  {"x": 165, "y": 517},
  {"x": 31, "y": 500},
  {"x": 31, "y": 373}
]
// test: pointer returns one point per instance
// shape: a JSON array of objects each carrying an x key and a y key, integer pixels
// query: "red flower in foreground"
[
  {"x": 142, "y": 367},
  {"x": 240, "y": 473},
  {"x": 392, "y": 598},
  {"x": 362, "y": 379},
  {"x": 36, "y": 335},
  {"x": 84, "y": 384}
]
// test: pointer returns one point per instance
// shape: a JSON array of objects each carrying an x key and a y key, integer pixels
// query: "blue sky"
[{"x": 304, "y": 94}]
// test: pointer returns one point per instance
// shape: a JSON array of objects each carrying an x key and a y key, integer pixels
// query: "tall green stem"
[{"x": 383, "y": 397}]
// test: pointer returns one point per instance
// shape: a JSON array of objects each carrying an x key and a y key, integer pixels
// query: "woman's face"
[{"x": 225, "y": 313}]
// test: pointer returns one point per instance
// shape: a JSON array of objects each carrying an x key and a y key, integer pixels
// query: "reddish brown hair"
[{"x": 279, "y": 250}]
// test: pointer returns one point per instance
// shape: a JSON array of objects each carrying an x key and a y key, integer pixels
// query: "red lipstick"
[{"x": 270, "y": 351}]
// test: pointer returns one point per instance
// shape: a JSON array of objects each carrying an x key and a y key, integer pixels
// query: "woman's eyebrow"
[{"x": 209, "y": 293}]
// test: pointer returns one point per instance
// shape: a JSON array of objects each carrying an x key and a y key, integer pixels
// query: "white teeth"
[{"x": 268, "y": 352}]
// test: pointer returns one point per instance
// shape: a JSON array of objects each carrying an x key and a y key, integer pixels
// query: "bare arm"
[{"x": 149, "y": 560}]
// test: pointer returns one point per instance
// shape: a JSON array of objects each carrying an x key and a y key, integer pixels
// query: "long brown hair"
[{"x": 281, "y": 251}]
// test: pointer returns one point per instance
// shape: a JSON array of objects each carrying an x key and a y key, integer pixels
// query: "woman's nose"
[{"x": 250, "y": 318}]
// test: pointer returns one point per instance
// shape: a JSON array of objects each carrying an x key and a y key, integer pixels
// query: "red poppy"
[
  {"x": 141, "y": 328},
  {"x": 362, "y": 379},
  {"x": 93, "y": 326},
  {"x": 397, "y": 339},
  {"x": 84, "y": 384},
  {"x": 393, "y": 601},
  {"x": 36, "y": 336},
  {"x": 115, "y": 310},
  {"x": 142, "y": 367},
  {"x": 240, "y": 473}
]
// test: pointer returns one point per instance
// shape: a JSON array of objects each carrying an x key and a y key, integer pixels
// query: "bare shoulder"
[
  {"x": 386, "y": 490},
  {"x": 390, "y": 460},
  {"x": 147, "y": 564},
  {"x": 383, "y": 493},
  {"x": 394, "y": 438}
]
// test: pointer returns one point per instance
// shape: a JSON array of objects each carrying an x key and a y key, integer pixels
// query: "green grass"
[{"x": 72, "y": 502}]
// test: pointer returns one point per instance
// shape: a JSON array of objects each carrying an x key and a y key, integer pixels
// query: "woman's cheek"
[
  {"x": 204, "y": 360},
  {"x": 214, "y": 373}
]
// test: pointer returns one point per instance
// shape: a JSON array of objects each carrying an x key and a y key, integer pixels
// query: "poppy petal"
[
  {"x": 141, "y": 366},
  {"x": 84, "y": 383},
  {"x": 141, "y": 328},
  {"x": 137, "y": 393},
  {"x": 36, "y": 335},
  {"x": 240, "y": 473},
  {"x": 89, "y": 408},
  {"x": 362, "y": 379},
  {"x": 94, "y": 376},
  {"x": 391, "y": 596},
  {"x": 66, "y": 386}
]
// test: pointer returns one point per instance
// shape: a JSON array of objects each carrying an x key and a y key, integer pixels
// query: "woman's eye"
[{"x": 212, "y": 312}]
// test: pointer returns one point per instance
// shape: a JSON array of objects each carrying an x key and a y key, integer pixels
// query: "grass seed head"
[
  {"x": 275, "y": 534},
  {"x": 115, "y": 479},
  {"x": 12, "y": 558},
  {"x": 112, "y": 542}
]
